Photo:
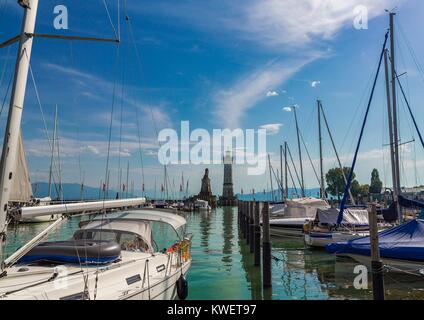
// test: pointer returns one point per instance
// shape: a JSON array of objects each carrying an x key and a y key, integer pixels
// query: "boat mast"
[
  {"x": 52, "y": 156},
  {"x": 61, "y": 197},
  {"x": 286, "y": 184},
  {"x": 281, "y": 172},
  {"x": 395, "y": 121},
  {"x": 321, "y": 166},
  {"x": 10, "y": 142},
  {"x": 390, "y": 119},
  {"x": 270, "y": 176},
  {"x": 302, "y": 186}
]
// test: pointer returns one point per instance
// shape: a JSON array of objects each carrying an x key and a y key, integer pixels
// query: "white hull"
[
  {"x": 394, "y": 265},
  {"x": 117, "y": 281},
  {"x": 287, "y": 227},
  {"x": 322, "y": 239}
]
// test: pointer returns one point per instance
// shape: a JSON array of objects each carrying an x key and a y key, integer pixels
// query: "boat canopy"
[
  {"x": 304, "y": 207},
  {"x": 174, "y": 220},
  {"x": 404, "y": 242},
  {"x": 141, "y": 228},
  {"x": 353, "y": 217}
]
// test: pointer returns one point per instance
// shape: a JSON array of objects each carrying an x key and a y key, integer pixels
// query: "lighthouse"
[{"x": 228, "y": 198}]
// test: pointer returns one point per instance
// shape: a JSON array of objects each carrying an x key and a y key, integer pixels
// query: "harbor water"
[{"x": 223, "y": 268}]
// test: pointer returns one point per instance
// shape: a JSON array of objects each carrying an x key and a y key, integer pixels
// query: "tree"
[
  {"x": 336, "y": 184},
  {"x": 376, "y": 184}
]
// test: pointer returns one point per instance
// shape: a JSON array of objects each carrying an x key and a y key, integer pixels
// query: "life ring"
[{"x": 182, "y": 288}]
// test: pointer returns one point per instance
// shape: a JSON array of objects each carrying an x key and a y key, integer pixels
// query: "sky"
[{"x": 217, "y": 64}]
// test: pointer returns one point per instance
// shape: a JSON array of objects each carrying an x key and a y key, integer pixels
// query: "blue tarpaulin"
[
  {"x": 410, "y": 203},
  {"x": 405, "y": 242}
]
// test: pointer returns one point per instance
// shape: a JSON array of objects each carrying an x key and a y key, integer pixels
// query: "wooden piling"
[
  {"x": 376, "y": 264},
  {"x": 252, "y": 226},
  {"x": 266, "y": 248},
  {"x": 248, "y": 222},
  {"x": 242, "y": 221},
  {"x": 257, "y": 240}
]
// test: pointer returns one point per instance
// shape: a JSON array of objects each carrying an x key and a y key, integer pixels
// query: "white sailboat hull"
[
  {"x": 287, "y": 227},
  {"x": 124, "y": 280},
  {"x": 393, "y": 265},
  {"x": 322, "y": 239}
]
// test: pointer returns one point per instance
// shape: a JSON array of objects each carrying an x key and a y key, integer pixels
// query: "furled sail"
[{"x": 21, "y": 185}]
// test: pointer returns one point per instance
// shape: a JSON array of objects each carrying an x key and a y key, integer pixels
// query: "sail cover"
[
  {"x": 404, "y": 242},
  {"x": 351, "y": 216},
  {"x": 21, "y": 185}
]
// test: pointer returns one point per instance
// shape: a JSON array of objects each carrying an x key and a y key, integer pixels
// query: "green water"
[{"x": 223, "y": 268}]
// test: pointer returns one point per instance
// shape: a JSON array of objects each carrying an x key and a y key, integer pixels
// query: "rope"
[{"x": 346, "y": 192}]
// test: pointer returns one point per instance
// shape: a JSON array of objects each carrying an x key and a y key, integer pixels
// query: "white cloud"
[
  {"x": 272, "y": 94},
  {"x": 271, "y": 128},
  {"x": 287, "y": 109},
  {"x": 275, "y": 24},
  {"x": 232, "y": 103},
  {"x": 296, "y": 23},
  {"x": 315, "y": 83}
]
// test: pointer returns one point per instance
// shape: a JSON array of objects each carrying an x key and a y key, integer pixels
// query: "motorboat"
[{"x": 201, "y": 205}]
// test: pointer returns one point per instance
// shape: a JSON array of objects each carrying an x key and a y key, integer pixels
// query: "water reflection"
[
  {"x": 227, "y": 235},
  {"x": 205, "y": 228}
]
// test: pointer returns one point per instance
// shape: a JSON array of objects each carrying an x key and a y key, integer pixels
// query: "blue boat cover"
[
  {"x": 410, "y": 203},
  {"x": 405, "y": 242}
]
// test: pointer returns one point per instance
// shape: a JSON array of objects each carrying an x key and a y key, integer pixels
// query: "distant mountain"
[
  {"x": 71, "y": 191},
  {"x": 267, "y": 196}
]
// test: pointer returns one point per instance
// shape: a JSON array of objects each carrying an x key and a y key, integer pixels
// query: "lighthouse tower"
[{"x": 228, "y": 198}]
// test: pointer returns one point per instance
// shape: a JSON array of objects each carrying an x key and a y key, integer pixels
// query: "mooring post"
[
  {"x": 376, "y": 264},
  {"x": 238, "y": 214},
  {"x": 257, "y": 235},
  {"x": 252, "y": 226},
  {"x": 245, "y": 220},
  {"x": 243, "y": 211},
  {"x": 266, "y": 247},
  {"x": 248, "y": 223}
]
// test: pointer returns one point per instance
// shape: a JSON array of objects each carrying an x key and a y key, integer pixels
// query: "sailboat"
[
  {"x": 401, "y": 248},
  {"x": 325, "y": 228},
  {"x": 295, "y": 213},
  {"x": 110, "y": 256}
]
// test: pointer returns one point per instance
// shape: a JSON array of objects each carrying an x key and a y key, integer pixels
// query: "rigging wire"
[
  {"x": 110, "y": 18},
  {"x": 310, "y": 159},
  {"x": 49, "y": 141},
  {"x": 140, "y": 149}
]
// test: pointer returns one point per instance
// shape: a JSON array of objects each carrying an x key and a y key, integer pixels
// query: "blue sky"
[{"x": 214, "y": 63}]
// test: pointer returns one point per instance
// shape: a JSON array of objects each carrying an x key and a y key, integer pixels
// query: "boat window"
[
  {"x": 132, "y": 242},
  {"x": 104, "y": 235}
]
